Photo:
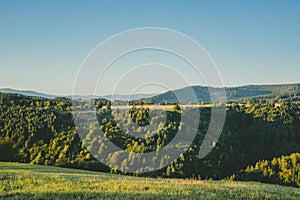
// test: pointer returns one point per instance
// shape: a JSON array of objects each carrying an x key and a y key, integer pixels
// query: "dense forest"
[
  {"x": 255, "y": 136},
  {"x": 284, "y": 170}
]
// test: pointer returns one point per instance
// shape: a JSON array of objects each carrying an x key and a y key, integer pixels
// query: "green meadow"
[{"x": 24, "y": 181}]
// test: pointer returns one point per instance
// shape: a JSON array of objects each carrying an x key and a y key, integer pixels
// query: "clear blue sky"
[{"x": 42, "y": 43}]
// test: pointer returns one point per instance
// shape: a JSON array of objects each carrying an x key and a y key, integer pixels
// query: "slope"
[{"x": 23, "y": 181}]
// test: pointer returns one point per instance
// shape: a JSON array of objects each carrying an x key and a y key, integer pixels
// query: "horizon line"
[{"x": 68, "y": 95}]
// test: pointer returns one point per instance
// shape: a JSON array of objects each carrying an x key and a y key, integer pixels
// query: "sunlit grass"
[{"x": 22, "y": 181}]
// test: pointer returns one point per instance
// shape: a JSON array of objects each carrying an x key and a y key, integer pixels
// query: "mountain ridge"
[
  {"x": 31, "y": 93},
  {"x": 202, "y": 93}
]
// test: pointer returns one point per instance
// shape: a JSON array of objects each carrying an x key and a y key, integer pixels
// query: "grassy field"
[{"x": 23, "y": 181}]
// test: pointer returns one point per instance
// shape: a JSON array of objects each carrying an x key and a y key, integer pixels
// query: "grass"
[{"x": 23, "y": 181}]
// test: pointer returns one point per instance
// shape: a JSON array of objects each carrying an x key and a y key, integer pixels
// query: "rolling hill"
[
  {"x": 23, "y": 181},
  {"x": 232, "y": 93}
]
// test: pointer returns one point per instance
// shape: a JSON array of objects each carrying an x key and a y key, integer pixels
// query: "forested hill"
[
  {"x": 232, "y": 93},
  {"x": 42, "y": 131}
]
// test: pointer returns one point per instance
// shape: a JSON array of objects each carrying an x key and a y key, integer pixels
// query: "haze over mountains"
[
  {"x": 201, "y": 92},
  {"x": 119, "y": 97},
  {"x": 27, "y": 93}
]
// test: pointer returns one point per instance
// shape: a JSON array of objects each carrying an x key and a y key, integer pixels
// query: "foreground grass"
[{"x": 23, "y": 181}]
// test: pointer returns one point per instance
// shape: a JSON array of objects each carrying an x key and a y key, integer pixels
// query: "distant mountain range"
[
  {"x": 133, "y": 97},
  {"x": 201, "y": 92},
  {"x": 119, "y": 97},
  {"x": 27, "y": 93}
]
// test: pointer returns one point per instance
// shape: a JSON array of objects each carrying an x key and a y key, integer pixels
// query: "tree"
[{"x": 7, "y": 151}]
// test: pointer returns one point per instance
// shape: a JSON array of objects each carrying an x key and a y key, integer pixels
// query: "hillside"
[
  {"x": 42, "y": 131},
  {"x": 23, "y": 181},
  {"x": 232, "y": 93}
]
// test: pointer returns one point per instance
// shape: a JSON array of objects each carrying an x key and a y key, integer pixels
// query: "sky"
[{"x": 43, "y": 43}]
